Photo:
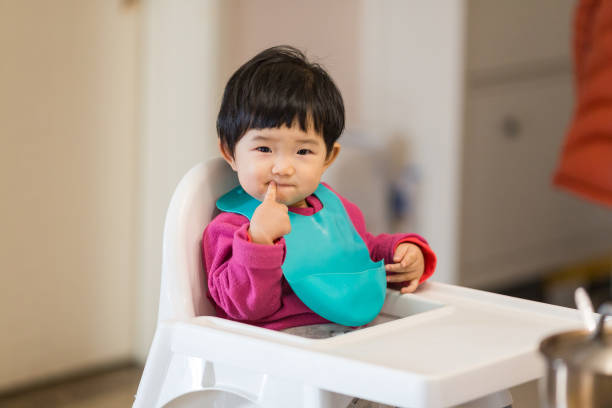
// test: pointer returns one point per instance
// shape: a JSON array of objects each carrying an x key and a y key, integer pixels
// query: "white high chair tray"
[{"x": 454, "y": 345}]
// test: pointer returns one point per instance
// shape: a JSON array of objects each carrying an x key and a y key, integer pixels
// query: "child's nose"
[{"x": 283, "y": 167}]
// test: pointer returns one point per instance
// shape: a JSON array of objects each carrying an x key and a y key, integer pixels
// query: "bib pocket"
[{"x": 346, "y": 298}]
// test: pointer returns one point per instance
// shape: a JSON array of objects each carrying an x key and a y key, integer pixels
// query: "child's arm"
[{"x": 244, "y": 278}]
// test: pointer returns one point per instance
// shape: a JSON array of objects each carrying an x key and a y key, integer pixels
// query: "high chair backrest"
[{"x": 183, "y": 282}]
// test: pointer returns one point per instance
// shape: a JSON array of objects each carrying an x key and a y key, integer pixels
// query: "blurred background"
[{"x": 456, "y": 115}]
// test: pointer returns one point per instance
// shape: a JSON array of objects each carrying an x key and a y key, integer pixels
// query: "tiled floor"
[{"x": 114, "y": 389}]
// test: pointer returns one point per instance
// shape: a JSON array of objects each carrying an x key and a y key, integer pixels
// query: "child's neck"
[{"x": 300, "y": 204}]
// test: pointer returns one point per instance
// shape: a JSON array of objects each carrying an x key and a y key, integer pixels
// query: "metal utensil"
[{"x": 579, "y": 367}]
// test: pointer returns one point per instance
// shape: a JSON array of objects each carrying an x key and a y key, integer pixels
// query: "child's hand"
[
  {"x": 270, "y": 220},
  {"x": 409, "y": 266}
]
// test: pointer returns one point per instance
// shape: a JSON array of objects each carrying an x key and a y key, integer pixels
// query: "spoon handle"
[{"x": 583, "y": 302}]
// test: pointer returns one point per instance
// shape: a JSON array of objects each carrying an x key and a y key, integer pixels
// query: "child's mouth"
[{"x": 283, "y": 185}]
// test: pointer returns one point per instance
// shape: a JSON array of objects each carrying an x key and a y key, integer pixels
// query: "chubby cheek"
[
  {"x": 261, "y": 184},
  {"x": 313, "y": 182},
  {"x": 255, "y": 188}
]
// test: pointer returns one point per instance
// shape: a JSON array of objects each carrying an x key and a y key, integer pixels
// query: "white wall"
[
  {"x": 180, "y": 93},
  {"x": 327, "y": 31},
  {"x": 68, "y": 182},
  {"x": 412, "y": 62}
]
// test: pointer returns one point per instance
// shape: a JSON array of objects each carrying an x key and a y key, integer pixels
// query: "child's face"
[{"x": 295, "y": 160}]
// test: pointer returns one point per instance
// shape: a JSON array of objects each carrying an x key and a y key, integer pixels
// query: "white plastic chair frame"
[
  {"x": 180, "y": 370},
  {"x": 172, "y": 377}
]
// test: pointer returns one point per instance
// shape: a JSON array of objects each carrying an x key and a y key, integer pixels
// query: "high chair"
[{"x": 440, "y": 347}]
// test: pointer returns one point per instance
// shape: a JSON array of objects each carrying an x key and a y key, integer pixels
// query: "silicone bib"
[{"x": 327, "y": 263}]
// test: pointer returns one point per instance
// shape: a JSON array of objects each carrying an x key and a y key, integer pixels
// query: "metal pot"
[{"x": 579, "y": 368}]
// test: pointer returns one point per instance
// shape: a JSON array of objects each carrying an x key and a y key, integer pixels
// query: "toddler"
[{"x": 288, "y": 251}]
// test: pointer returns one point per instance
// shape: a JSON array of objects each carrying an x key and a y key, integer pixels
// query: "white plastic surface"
[
  {"x": 191, "y": 208},
  {"x": 476, "y": 344},
  {"x": 449, "y": 345}
]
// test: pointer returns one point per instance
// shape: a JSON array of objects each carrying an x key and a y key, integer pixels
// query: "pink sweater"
[{"x": 245, "y": 279}]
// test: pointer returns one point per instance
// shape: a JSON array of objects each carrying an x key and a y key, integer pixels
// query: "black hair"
[{"x": 279, "y": 86}]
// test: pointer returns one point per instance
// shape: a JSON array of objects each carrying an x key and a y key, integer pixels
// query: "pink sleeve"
[
  {"x": 382, "y": 247},
  {"x": 244, "y": 278}
]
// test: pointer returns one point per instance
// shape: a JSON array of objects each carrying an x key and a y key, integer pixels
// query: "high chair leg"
[
  {"x": 500, "y": 399},
  {"x": 317, "y": 398},
  {"x": 155, "y": 369}
]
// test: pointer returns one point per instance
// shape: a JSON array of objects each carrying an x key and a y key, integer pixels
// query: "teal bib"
[{"x": 327, "y": 264}]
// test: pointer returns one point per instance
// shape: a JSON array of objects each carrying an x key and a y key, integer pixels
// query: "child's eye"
[
  {"x": 304, "y": 152},
  {"x": 263, "y": 149}
]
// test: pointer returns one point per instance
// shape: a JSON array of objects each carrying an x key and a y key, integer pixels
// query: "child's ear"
[
  {"x": 227, "y": 155},
  {"x": 332, "y": 155}
]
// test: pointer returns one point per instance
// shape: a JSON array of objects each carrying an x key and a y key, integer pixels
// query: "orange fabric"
[{"x": 586, "y": 161}]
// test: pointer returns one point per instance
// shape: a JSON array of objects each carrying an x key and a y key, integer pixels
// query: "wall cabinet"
[
  {"x": 518, "y": 102},
  {"x": 483, "y": 94},
  {"x": 514, "y": 223},
  {"x": 509, "y": 34}
]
